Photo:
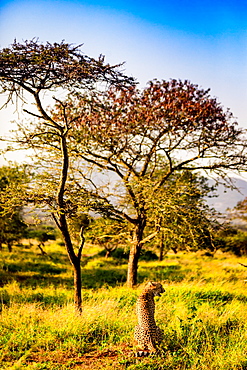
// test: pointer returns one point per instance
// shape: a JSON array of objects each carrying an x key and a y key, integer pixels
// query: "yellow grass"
[{"x": 203, "y": 314}]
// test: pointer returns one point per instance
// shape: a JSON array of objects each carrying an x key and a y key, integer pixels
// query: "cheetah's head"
[{"x": 156, "y": 288}]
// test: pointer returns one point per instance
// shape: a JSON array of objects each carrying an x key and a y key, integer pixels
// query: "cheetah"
[{"x": 147, "y": 334}]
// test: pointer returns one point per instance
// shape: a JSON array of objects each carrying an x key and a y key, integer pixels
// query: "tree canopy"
[{"x": 174, "y": 124}]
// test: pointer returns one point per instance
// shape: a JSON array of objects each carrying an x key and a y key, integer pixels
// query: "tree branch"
[
  {"x": 32, "y": 114},
  {"x": 82, "y": 241},
  {"x": 45, "y": 116}
]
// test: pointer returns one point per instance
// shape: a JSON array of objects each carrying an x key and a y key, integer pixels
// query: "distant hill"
[{"x": 228, "y": 198}]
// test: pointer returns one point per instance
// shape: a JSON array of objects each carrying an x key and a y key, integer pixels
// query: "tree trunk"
[
  {"x": 75, "y": 261},
  {"x": 9, "y": 245},
  {"x": 42, "y": 250},
  {"x": 161, "y": 246},
  {"x": 134, "y": 254},
  {"x": 108, "y": 253},
  {"x": 63, "y": 225},
  {"x": 133, "y": 265},
  {"x": 77, "y": 287}
]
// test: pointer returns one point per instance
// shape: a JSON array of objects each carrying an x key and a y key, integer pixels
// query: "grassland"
[{"x": 203, "y": 312}]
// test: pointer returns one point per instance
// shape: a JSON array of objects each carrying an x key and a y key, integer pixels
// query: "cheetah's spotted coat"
[{"x": 147, "y": 334}]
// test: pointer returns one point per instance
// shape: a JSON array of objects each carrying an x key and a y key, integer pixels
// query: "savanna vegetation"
[
  {"x": 202, "y": 312},
  {"x": 120, "y": 172}
]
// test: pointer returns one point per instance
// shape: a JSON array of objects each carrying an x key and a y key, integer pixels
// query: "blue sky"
[
  {"x": 206, "y": 17},
  {"x": 203, "y": 41}
]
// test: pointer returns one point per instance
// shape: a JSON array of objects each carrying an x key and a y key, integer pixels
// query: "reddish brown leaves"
[{"x": 165, "y": 117}]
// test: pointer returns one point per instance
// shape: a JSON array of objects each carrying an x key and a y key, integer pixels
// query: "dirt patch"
[{"x": 108, "y": 358}]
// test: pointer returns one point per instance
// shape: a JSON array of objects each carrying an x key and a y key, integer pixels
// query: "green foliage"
[
  {"x": 147, "y": 255},
  {"x": 237, "y": 243},
  {"x": 121, "y": 254},
  {"x": 42, "y": 233},
  {"x": 230, "y": 239},
  {"x": 180, "y": 212},
  {"x": 12, "y": 229},
  {"x": 12, "y": 184},
  {"x": 109, "y": 234}
]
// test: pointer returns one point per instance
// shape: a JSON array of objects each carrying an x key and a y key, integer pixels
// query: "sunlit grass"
[{"x": 203, "y": 312}]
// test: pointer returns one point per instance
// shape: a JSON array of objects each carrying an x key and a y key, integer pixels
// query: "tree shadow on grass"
[
  {"x": 58, "y": 299},
  {"x": 38, "y": 267},
  {"x": 99, "y": 277},
  {"x": 171, "y": 273},
  {"x": 91, "y": 279},
  {"x": 45, "y": 274},
  {"x": 218, "y": 296},
  {"x": 42, "y": 275},
  {"x": 35, "y": 280},
  {"x": 33, "y": 274}
]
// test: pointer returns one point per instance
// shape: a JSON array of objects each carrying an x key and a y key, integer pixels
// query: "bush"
[
  {"x": 119, "y": 253},
  {"x": 122, "y": 254},
  {"x": 148, "y": 256},
  {"x": 234, "y": 242}
]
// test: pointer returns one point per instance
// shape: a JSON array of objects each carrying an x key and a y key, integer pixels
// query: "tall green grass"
[{"x": 203, "y": 313}]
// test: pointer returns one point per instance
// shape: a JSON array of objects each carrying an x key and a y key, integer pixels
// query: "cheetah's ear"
[{"x": 149, "y": 284}]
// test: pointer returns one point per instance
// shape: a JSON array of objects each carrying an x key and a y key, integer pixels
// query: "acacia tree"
[
  {"x": 185, "y": 220},
  {"x": 108, "y": 233},
  {"x": 167, "y": 127},
  {"x": 37, "y": 70}
]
